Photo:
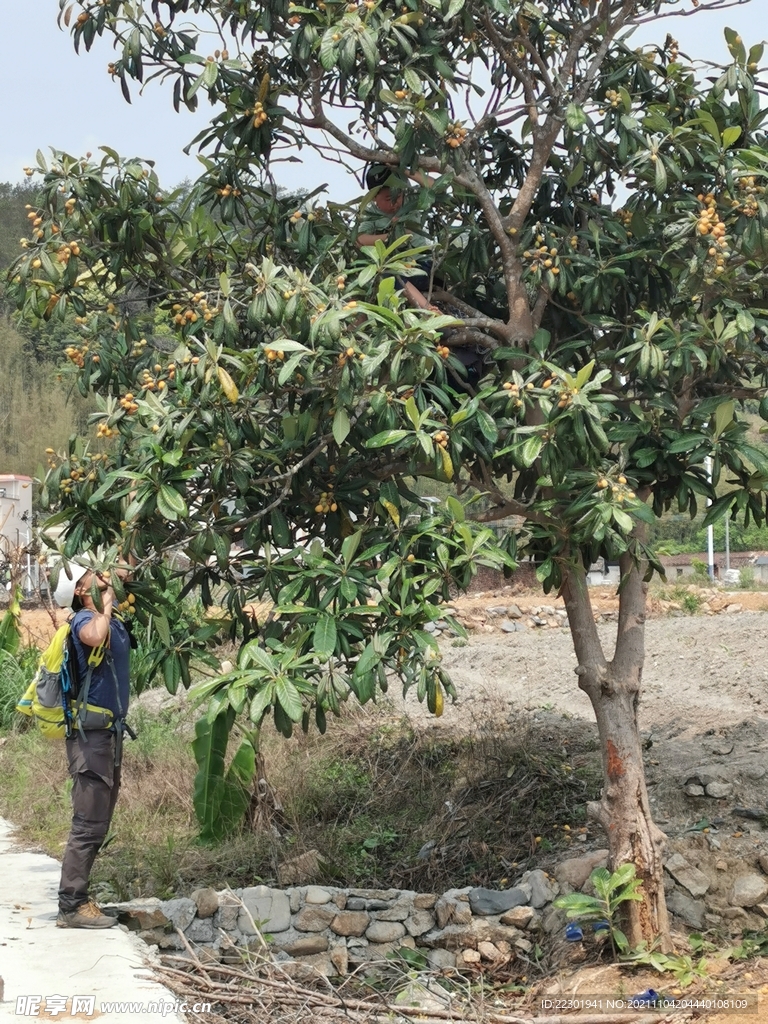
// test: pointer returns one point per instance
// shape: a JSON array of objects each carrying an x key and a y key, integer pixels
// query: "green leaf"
[
  {"x": 387, "y": 437},
  {"x": 530, "y": 450},
  {"x": 170, "y": 503},
  {"x": 341, "y": 426},
  {"x": 324, "y": 637},
  {"x": 209, "y": 748},
  {"x": 289, "y": 699},
  {"x": 261, "y": 702},
  {"x": 731, "y": 135},
  {"x": 575, "y": 117},
  {"x": 723, "y": 417}
]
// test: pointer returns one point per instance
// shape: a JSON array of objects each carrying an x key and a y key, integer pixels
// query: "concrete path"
[{"x": 37, "y": 959}]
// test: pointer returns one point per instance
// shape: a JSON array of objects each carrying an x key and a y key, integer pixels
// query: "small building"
[{"x": 16, "y": 531}]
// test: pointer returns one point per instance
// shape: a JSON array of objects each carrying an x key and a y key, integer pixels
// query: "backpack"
[{"x": 55, "y": 699}]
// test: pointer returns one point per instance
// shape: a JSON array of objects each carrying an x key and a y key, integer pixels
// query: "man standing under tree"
[{"x": 102, "y": 646}]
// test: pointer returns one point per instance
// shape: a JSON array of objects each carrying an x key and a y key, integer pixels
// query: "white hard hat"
[{"x": 65, "y": 585}]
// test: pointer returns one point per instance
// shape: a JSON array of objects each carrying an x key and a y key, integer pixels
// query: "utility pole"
[{"x": 710, "y": 531}]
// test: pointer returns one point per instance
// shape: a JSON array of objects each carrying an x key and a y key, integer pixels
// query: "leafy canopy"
[{"x": 266, "y": 395}]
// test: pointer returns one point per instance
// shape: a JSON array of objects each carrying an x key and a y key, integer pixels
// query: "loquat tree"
[{"x": 597, "y": 225}]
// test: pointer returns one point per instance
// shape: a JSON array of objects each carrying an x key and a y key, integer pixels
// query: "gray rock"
[
  {"x": 226, "y": 916},
  {"x": 201, "y": 930},
  {"x": 307, "y": 945},
  {"x": 161, "y": 938},
  {"x": 513, "y": 612},
  {"x": 688, "y": 910},
  {"x": 398, "y": 912},
  {"x": 575, "y": 871},
  {"x": 497, "y": 609},
  {"x": 463, "y": 936},
  {"x": 553, "y": 920},
  {"x": 295, "y": 898},
  {"x": 269, "y": 908},
  {"x": 299, "y": 870},
  {"x": 762, "y": 860},
  {"x": 708, "y": 773},
  {"x": 441, "y": 959},
  {"x": 315, "y": 919},
  {"x": 695, "y": 881},
  {"x": 350, "y": 922},
  {"x": 310, "y": 968},
  {"x": 180, "y": 912},
  {"x": 377, "y": 904},
  {"x": 719, "y": 790},
  {"x": 140, "y": 915},
  {"x": 419, "y": 922},
  {"x": 340, "y": 958},
  {"x": 508, "y": 627},
  {"x": 385, "y": 931},
  {"x": 487, "y": 902},
  {"x": 428, "y": 997},
  {"x": 694, "y": 789},
  {"x": 316, "y": 896},
  {"x": 449, "y": 910},
  {"x": 355, "y": 903},
  {"x": 518, "y": 917},
  {"x": 524, "y": 944},
  {"x": 206, "y": 901},
  {"x": 543, "y": 889},
  {"x": 749, "y": 890},
  {"x": 424, "y": 900}
]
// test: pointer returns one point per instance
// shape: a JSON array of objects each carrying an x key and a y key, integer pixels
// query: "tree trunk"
[{"x": 614, "y": 691}]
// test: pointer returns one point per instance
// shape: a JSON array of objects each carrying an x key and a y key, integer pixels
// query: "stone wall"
[{"x": 334, "y": 929}]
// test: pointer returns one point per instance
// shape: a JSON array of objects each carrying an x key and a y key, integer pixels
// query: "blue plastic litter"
[
  {"x": 573, "y": 932},
  {"x": 601, "y": 926},
  {"x": 648, "y": 998}
]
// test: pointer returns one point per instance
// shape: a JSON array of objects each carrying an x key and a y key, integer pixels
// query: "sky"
[{"x": 51, "y": 97}]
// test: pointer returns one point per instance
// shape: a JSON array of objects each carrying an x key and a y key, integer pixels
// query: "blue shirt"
[{"x": 103, "y": 692}]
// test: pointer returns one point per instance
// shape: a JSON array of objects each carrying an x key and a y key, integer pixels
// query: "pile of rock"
[{"x": 510, "y": 618}]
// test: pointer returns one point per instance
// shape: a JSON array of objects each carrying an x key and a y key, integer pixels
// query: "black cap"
[{"x": 377, "y": 175}]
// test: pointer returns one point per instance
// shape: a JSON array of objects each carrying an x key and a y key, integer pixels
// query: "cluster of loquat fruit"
[
  {"x": 104, "y": 430},
  {"x": 710, "y": 224},
  {"x": 514, "y": 392},
  {"x": 566, "y": 396},
  {"x": 349, "y": 353},
  {"x": 128, "y": 605},
  {"x": 619, "y": 491},
  {"x": 155, "y": 382},
  {"x": 77, "y": 473},
  {"x": 77, "y": 354},
  {"x": 750, "y": 205},
  {"x": 128, "y": 403},
  {"x": 228, "y": 190},
  {"x": 139, "y": 347},
  {"x": 613, "y": 97},
  {"x": 274, "y": 354},
  {"x": 440, "y": 437},
  {"x": 259, "y": 115},
  {"x": 455, "y": 134},
  {"x": 674, "y": 49},
  {"x": 443, "y": 351},
  {"x": 326, "y": 503},
  {"x": 543, "y": 257},
  {"x": 189, "y": 315}
]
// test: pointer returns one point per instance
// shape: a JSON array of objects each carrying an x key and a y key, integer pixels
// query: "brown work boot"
[{"x": 87, "y": 915}]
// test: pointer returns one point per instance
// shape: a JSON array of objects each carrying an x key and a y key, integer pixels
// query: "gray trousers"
[{"x": 95, "y": 785}]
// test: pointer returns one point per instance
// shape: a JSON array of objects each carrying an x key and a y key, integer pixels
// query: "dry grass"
[{"x": 385, "y": 805}]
